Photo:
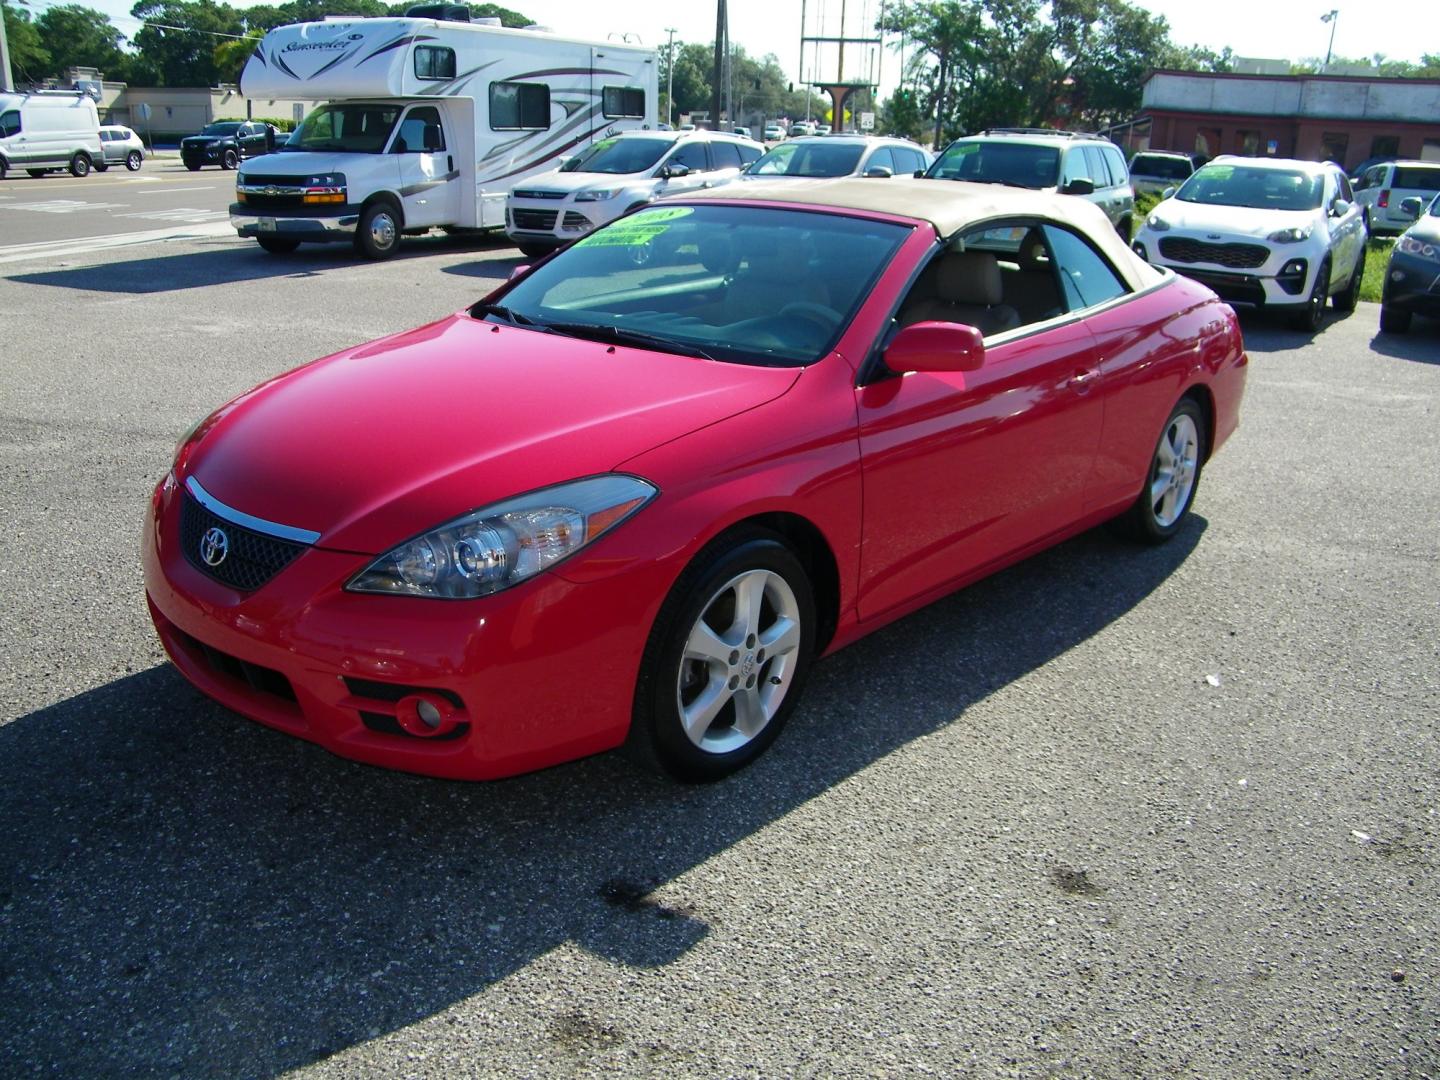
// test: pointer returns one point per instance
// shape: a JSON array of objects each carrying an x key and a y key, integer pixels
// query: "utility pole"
[
  {"x": 1332, "y": 17},
  {"x": 722, "y": 44},
  {"x": 7, "y": 82},
  {"x": 670, "y": 78}
]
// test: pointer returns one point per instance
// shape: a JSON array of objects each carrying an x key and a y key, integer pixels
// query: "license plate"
[{"x": 267, "y": 224}]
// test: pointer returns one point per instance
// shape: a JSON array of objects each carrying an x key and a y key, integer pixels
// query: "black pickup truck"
[{"x": 226, "y": 143}]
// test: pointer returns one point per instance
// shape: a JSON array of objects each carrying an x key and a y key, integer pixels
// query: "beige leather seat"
[{"x": 968, "y": 290}]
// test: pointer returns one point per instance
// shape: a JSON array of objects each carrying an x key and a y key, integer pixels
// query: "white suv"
[
  {"x": 1267, "y": 232},
  {"x": 1382, "y": 188},
  {"x": 616, "y": 175}
]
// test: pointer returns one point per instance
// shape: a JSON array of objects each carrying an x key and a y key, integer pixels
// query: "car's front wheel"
[
  {"x": 1309, "y": 316},
  {"x": 535, "y": 251},
  {"x": 726, "y": 660},
  {"x": 80, "y": 164},
  {"x": 277, "y": 245},
  {"x": 132, "y": 160},
  {"x": 1394, "y": 320},
  {"x": 229, "y": 160},
  {"x": 378, "y": 233},
  {"x": 1173, "y": 478}
]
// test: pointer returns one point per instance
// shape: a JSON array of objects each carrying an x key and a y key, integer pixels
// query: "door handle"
[
  {"x": 1084, "y": 380},
  {"x": 450, "y": 163}
]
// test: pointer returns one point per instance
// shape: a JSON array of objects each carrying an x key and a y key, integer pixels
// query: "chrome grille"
[
  {"x": 537, "y": 193},
  {"x": 534, "y": 219},
  {"x": 252, "y": 559},
  {"x": 1236, "y": 256}
]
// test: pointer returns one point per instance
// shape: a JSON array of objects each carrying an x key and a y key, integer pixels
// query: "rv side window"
[
  {"x": 10, "y": 123},
  {"x": 519, "y": 106},
  {"x": 626, "y": 101},
  {"x": 434, "y": 62}
]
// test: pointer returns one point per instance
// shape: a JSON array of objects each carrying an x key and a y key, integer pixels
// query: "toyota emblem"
[{"x": 214, "y": 546}]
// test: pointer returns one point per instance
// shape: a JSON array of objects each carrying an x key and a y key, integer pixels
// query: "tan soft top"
[{"x": 950, "y": 206}]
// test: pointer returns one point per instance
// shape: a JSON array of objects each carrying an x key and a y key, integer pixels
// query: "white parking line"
[
  {"x": 62, "y": 206},
  {"x": 182, "y": 213},
  {"x": 53, "y": 249},
  {"x": 173, "y": 190}
]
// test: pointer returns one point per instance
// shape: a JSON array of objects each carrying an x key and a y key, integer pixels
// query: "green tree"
[
  {"x": 184, "y": 57},
  {"x": 77, "y": 36},
  {"x": 232, "y": 53},
  {"x": 29, "y": 59}
]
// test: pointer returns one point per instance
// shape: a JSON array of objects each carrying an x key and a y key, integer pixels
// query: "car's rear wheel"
[
  {"x": 101, "y": 166},
  {"x": 1348, "y": 297},
  {"x": 1173, "y": 477},
  {"x": 229, "y": 160},
  {"x": 192, "y": 168},
  {"x": 378, "y": 233},
  {"x": 726, "y": 660},
  {"x": 277, "y": 245},
  {"x": 132, "y": 160},
  {"x": 80, "y": 164},
  {"x": 1394, "y": 320},
  {"x": 1309, "y": 316}
]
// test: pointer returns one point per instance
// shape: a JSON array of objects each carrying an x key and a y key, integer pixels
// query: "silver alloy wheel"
[
  {"x": 739, "y": 661},
  {"x": 382, "y": 230},
  {"x": 1173, "y": 474}
]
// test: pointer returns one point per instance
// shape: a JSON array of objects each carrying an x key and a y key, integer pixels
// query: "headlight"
[
  {"x": 596, "y": 194},
  {"x": 1409, "y": 245},
  {"x": 1156, "y": 223},
  {"x": 329, "y": 188},
  {"x": 1290, "y": 236},
  {"x": 502, "y": 545}
]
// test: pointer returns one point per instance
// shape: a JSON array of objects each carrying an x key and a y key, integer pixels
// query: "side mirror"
[
  {"x": 432, "y": 137},
  {"x": 883, "y": 172},
  {"x": 1169, "y": 191},
  {"x": 936, "y": 346},
  {"x": 1082, "y": 185},
  {"x": 1412, "y": 207},
  {"x": 919, "y": 174},
  {"x": 673, "y": 170},
  {"x": 1339, "y": 208}
]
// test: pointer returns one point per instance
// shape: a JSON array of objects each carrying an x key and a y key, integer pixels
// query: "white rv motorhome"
[{"x": 427, "y": 124}]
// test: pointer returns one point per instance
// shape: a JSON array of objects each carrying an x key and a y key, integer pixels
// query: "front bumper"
[
  {"x": 1412, "y": 284},
  {"x": 314, "y": 224},
  {"x": 554, "y": 222},
  {"x": 202, "y": 155},
  {"x": 539, "y": 674},
  {"x": 1269, "y": 283}
]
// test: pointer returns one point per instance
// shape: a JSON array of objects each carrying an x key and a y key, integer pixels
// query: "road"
[{"x": 1113, "y": 813}]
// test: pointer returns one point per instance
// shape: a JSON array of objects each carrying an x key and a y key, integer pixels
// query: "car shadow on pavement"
[
  {"x": 184, "y": 892},
  {"x": 1421, "y": 344},
  {"x": 228, "y": 264}
]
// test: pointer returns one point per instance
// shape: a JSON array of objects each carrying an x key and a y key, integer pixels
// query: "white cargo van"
[
  {"x": 428, "y": 123},
  {"x": 49, "y": 130}
]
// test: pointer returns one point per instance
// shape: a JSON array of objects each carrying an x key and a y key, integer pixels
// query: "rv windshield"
[
  {"x": 351, "y": 129},
  {"x": 619, "y": 156}
]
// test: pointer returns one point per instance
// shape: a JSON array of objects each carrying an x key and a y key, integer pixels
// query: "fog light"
[{"x": 425, "y": 715}]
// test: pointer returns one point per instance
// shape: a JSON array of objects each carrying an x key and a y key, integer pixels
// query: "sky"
[{"x": 1276, "y": 29}]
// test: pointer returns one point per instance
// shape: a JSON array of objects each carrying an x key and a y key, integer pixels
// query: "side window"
[
  {"x": 519, "y": 106},
  {"x": 1118, "y": 173},
  {"x": 749, "y": 154},
  {"x": 1075, "y": 167},
  {"x": 882, "y": 157},
  {"x": 1099, "y": 170},
  {"x": 692, "y": 156},
  {"x": 434, "y": 62},
  {"x": 726, "y": 155},
  {"x": 1345, "y": 192},
  {"x": 906, "y": 160},
  {"x": 623, "y": 101},
  {"x": 420, "y": 121},
  {"x": 1086, "y": 278}
]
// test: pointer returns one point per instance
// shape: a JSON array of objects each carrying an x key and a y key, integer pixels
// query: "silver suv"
[
  {"x": 122, "y": 147},
  {"x": 840, "y": 155},
  {"x": 1071, "y": 163}
]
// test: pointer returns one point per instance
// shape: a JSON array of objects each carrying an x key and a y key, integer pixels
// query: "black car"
[
  {"x": 226, "y": 143},
  {"x": 1412, "y": 280}
]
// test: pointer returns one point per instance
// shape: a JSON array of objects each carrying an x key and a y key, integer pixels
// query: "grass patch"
[{"x": 1377, "y": 260}]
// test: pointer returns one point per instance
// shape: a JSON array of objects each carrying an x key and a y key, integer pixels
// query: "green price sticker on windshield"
[{"x": 638, "y": 229}]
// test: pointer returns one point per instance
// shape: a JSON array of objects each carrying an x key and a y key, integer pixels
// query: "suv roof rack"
[{"x": 1041, "y": 131}]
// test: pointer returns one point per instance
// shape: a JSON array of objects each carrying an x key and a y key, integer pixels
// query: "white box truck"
[
  {"x": 49, "y": 130},
  {"x": 427, "y": 123}
]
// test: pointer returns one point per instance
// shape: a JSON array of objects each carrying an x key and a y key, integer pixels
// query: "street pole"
[
  {"x": 670, "y": 79},
  {"x": 1331, "y": 17},
  {"x": 7, "y": 82},
  {"x": 722, "y": 35}
]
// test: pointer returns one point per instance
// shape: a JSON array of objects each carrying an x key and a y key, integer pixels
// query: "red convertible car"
[{"x": 634, "y": 492}]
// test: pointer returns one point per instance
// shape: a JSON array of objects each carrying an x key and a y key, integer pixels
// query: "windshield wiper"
[
  {"x": 514, "y": 318},
  {"x": 625, "y": 336}
]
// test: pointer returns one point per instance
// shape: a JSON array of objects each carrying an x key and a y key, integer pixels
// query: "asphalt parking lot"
[{"x": 1114, "y": 812}]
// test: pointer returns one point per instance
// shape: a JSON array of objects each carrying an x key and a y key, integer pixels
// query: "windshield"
[
  {"x": 619, "y": 156},
  {"x": 808, "y": 159},
  {"x": 1261, "y": 189},
  {"x": 1017, "y": 164},
  {"x": 220, "y": 129},
  {"x": 739, "y": 284},
  {"x": 351, "y": 129},
  {"x": 1161, "y": 166}
]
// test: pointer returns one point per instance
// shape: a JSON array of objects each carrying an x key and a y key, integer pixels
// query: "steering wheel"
[{"x": 816, "y": 314}]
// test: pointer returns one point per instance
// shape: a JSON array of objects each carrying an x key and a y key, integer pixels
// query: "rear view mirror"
[
  {"x": 1411, "y": 207},
  {"x": 936, "y": 346}
]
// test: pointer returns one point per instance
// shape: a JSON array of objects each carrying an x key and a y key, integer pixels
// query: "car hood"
[
  {"x": 204, "y": 140},
  {"x": 1426, "y": 230},
  {"x": 1231, "y": 220},
  {"x": 555, "y": 180},
  {"x": 300, "y": 163},
  {"x": 375, "y": 444}
]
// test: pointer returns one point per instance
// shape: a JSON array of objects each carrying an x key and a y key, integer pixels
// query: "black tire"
[
  {"x": 378, "y": 233},
  {"x": 37, "y": 173},
  {"x": 192, "y": 168},
  {"x": 80, "y": 164},
  {"x": 1394, "y": 320},
  {"x": 4, "y": 168},
  {"x": 1348, "y": 297},
  {"x": 535, "y": 251},
  {"x": 1142, "y": 522},
  {"x": 133, "y": 160},
  {"x": 1311, "y": 314},
  {"x": 101, "y": 166},
  {"x": 277, "y": 245},
  {"x": 657, "y": 731},
  {"x": 229, "y": 159},
  {"x": 1123, "y": 227}
]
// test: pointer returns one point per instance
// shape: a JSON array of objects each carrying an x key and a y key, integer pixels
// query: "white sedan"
[{"x": 1269, "y": 233}]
